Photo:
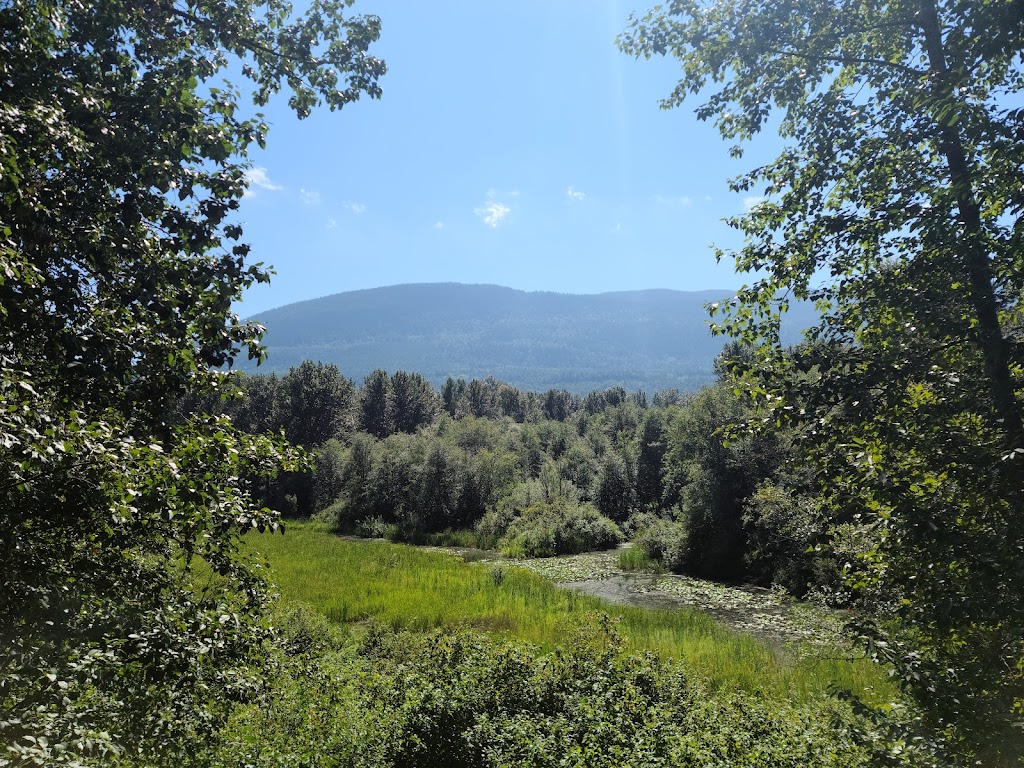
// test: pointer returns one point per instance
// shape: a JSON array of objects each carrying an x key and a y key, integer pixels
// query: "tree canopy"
[
  {"x": 896, "y": 206},
  {"x": 127, "y": 617}
]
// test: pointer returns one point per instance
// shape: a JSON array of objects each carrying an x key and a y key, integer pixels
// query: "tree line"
[{"x": 485, "y": 463}]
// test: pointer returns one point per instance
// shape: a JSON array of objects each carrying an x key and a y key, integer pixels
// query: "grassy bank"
[{"x": 404, "y": 587}]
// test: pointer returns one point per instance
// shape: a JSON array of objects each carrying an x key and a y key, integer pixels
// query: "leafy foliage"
[
  {"x": 545, "y": 529},
  {"x": 415, "y": 401},
  {"x": 455, "y": 699},
  {"x": 663, "y": 541},
  {"x": 126, "y": 615},
  {"x": 377, "y": 404},
  {"x": 320, "y": 403},
  {"x": 785, "y": 530},
  {"x": 710, "y": 478},
  {"x": 667, "y": 468},
  {"x": 896, "y": 208}
]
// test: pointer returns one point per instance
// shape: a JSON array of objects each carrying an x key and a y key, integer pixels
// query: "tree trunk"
[{"x": 994, "y": 346}]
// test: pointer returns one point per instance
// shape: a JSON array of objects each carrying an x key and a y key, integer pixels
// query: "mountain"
[{"x": 650, "y": 340}]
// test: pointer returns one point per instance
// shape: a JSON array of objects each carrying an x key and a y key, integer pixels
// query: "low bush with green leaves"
[
  {"x": 664, "y": 541},
  {"x": 456, "y": 699},
  {"x": 782, "y": 530},
  {"x": 545, "y": 529}
]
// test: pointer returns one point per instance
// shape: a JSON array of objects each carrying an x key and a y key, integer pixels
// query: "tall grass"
[
  {"x": 405, "y": 587},
  {"x": 636, "y": 559}
]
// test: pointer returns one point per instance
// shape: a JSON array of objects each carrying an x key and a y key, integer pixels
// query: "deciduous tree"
[
  {"x": 127, "y": 618},
  {"x": 320, "y": 403},
  {"x": 377, "y": 405},
  {"x": 895, "y": 205},
  {"x": 415, "y": 401}
]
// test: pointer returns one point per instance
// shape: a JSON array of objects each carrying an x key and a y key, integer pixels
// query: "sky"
[{"x": 514, "y": 144}]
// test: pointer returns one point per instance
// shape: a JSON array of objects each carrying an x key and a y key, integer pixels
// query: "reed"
[{"x": 405, "y": 587}]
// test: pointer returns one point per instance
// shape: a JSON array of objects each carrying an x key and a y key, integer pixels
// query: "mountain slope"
[{"x": 651, "y": 340}]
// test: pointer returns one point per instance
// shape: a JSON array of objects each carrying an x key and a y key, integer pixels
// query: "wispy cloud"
[
  {"x": 438, "y": 225},
  {"x": 574, "y": 194},
  {"x": 257, "y": 178},
  {"x": 332, "y": 223},
  {"x": 492, "y": 212},
  {"x": 356, "y": 208},
  {"x": 751, "y": 202},
  {"x": 309, "y": 196}
]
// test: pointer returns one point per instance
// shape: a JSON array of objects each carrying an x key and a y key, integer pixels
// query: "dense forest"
[
  {"x": 878, "y": 464},
  {"x": 537, "y": 474}
]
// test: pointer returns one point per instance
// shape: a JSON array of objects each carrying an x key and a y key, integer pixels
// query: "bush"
[
  {"x": 456, "y": 699},
  {"x": 546, "y": 529},
  {"x": 377, "y": 528},
  {"x": 337, "y": 516},
  {"x": 637, "y": 521},
  {"x": 663, "y": 541},
  {"x": 782, "y": 529},
  {"x": 493, "y": 525},
  {"x": 496, "y": 521}
]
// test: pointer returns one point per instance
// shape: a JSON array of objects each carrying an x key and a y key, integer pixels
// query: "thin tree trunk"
[{"x": 994, "y": 346}]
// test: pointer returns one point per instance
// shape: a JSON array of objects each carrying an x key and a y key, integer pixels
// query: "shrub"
[
  {"x": 455, "y": 699},
  {"x": 337, "y": 516},
  {"x": 782, "y": 529},
  {"x": 377, "y": 528},
  {"x": 493, "y": 525},
  {"x": 546, "y": 529},
  {"x": 638, "y": 521},
  {"x": 496, "y": 520},
  {"x": 663, "y": 541}
]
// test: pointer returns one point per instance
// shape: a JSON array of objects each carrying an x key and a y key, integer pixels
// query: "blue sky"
[{"x": 514, "y": 144}]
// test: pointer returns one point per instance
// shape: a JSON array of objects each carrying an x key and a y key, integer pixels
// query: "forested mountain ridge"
[{"x": 649, "y": 339}]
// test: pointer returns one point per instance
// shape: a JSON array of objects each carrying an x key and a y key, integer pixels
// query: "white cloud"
[
  {"x": 751, "y": 202},
  {"x": 332, "y": 223},
  {"x": 617, "y": 228},
  {"x": 356, "y": 208},
  {"x": 257, "y": 178},
  {"x": 573, "y": 194},
  {"x": 438, "y": 225},
  {"x": 492, "y": 212},
  {"x": 309, "y": 196}
]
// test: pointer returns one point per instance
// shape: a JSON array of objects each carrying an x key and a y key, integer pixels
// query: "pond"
[{"x": 769, "y": 614}]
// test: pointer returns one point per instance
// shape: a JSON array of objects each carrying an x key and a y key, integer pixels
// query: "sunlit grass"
[
  {"x": 636, "y": 559},
  {"x": 406, "y": 587}
]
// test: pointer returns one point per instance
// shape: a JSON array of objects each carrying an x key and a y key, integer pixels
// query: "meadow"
[{"x": 355, "y": 582}]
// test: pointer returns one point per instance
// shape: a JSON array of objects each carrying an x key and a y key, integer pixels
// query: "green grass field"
[{"x": 405, "y": 587}]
